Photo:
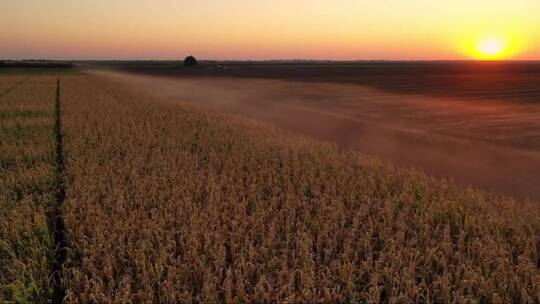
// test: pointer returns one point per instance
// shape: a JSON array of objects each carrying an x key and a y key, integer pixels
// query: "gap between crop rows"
[{"x": 55, "y": 216}]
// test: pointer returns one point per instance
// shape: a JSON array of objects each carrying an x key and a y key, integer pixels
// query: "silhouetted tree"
[{"x": 190, "y": 61}]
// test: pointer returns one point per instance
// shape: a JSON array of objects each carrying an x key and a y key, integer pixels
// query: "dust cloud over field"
[{"x": 490, "y": 144}]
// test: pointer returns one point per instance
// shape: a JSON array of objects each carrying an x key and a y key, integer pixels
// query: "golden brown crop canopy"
[{"x": 169, "y": 205}]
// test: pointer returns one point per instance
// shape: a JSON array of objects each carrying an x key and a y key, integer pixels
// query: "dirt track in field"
[{"x": 490, "y": 144}]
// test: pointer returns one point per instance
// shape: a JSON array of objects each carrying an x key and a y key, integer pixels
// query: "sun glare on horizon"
[{"x": 493, "y": 47}]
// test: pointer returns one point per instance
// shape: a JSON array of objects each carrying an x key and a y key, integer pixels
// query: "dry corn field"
[
  {"x": 26, "y": 187},
  {"x": 170, "y": 204}
]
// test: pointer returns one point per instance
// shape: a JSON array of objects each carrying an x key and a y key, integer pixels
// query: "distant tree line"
[{"x": 36, "y": 64}]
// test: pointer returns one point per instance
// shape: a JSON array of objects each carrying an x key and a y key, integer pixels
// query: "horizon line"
[{"x": 273, "y": 60}]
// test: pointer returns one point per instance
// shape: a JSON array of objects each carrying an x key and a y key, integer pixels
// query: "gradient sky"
[{"x": 256, "y": 29}]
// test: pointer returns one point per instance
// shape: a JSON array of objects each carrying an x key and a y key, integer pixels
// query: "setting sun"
[{"x": 492, "y": 47}]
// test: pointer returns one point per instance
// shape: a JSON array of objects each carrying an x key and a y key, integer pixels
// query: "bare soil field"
[
  {"x": 493, "y": 144},
  {"x": 511, "y": 81}
]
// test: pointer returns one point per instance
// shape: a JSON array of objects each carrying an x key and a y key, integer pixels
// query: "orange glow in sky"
[{"x": 279, "y": 29}]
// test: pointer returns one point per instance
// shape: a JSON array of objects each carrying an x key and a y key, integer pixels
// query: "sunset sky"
[{"x": 278, "y": 29}]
